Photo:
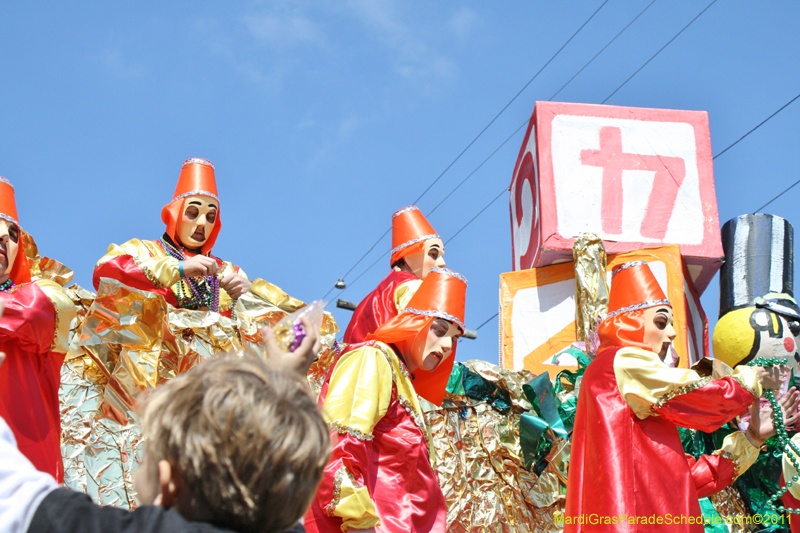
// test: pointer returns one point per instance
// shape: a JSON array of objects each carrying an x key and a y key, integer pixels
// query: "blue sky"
[{"x": 323, "y": 117}]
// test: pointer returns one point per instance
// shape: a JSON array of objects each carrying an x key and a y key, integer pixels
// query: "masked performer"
[
  {"x": 162, "y": 307},
  {"x": 34, "y": 336},
  {"x": 627, "y": 463},
  {"x": 379, "y": 475},
  {"x": 416, "y": 248}
]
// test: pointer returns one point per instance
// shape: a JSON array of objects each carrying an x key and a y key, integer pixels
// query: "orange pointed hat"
[
  {"x": 442, "y": 294},
  {"x": 196, "y": 179},
  {"x": 20, "y": 271},
  {"x": 410, "y": 230},
  {"x": 633, "y": 289}
]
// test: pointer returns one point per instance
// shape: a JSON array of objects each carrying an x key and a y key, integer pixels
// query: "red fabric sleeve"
[
  {"x": 124, "y": 269},
  {"x": 29, "y": 319},
  {"x": 709, "y": 407},
  {"x": 710, "y": 473}
]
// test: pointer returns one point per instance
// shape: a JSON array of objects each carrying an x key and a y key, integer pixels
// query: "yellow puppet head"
[{"x": 771, "y": 328}]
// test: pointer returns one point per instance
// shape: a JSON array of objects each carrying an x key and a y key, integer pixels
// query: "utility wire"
[
  {"x": 776, "y": 197},
  {"x": 478, "y": 136},
  {"x": 487, "y": 321},
  {"x": 512, "y": 100},
  {"x": 505, "y": 189},
  {"x": 659, "y": 51},
  {"x": 603, "y": 49},
  {"x": 759, "y": 125},
  {"x": 550, "y": 99}
]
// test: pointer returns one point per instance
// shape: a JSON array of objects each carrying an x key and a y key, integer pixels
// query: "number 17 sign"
[{"x": 639, "y": 178}]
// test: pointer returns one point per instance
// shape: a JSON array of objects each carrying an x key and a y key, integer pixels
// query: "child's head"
[{"x": 233, "y": 443}]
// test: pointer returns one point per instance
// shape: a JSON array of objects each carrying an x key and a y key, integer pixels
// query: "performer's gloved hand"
[
  {"x": 200, "y": 265},
  {"x": 761, "y": 425},
  {"x": 772, "y": 377},
  {"x": 234, "y": 284},
  {"x": 299, "y": 360}
]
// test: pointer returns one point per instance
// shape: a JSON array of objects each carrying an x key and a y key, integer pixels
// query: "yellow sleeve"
[
  {"x": 645, "y": 382},
  {"x": 274, "y": 295},
  {"x": 404, "y": 292},
  {"x": 160, "y": 268},
  {"x": 359, "y": 392},
  {"x": 65, "y": 313},
  {"x": 738, "y": 449},
  {"x": 352, "y": 502}
]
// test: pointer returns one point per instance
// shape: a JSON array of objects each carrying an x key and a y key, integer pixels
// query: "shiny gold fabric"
[
  {"x": 591, "y": 285},
  {"x": 161, "y": 269},
  {"x": 476, "y": 452},
  {"x": 126, "y": 342},
  {"x": 743, "y": 454},
  {"x": 644, "y": 380}
]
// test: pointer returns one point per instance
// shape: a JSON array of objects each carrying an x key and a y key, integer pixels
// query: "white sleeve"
[{"x": 22, "y": 487}]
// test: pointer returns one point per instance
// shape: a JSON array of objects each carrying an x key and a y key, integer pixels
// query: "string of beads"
[
  {"x": 204, "y": 290},
  {"x": 783, "y": 438}
]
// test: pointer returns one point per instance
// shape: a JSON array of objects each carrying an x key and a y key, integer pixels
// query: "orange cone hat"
[
  {"x": 196, "y": 179},
  {"x": 633, "y": 289},
  {"x": 410, "y": 230},
  {"x": 20, "y": 271},
  {"x": 442, "y": 294}
]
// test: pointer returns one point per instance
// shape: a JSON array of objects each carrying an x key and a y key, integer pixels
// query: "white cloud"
[
  {"x": 463, "y": 22},
  {"x": 118, "y": 65},
  {"x": 282, "y": 31},
  {"x": 415, "y": 58}
]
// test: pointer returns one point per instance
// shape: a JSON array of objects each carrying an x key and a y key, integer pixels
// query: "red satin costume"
[
  {"x": 628, "y": 464},
  {"x": 377, "y": 308},
  {"x": 410, "y": 230},
  {"x": 30, "y": 375},
  {"x": 380, "y": 474}
]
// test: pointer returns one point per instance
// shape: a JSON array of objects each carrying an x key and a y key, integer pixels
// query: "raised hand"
[
  {"x": 772, "y": 377},
  {"x": 235, "y": 285},
  {"x": 299, "y": 360},
  {"x": 200, "y": 265},
  {"x": 761, "y": 424}
]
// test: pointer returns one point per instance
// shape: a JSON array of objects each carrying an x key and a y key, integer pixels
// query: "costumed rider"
[
  {"x": 379, "y": 475},
  {"x": 162, "y": 307},
  {"x": 758, "y": 315},
  {"x": 34, "y": 336},
  {"x": 416, "y": 248},
  {"x": 180, "y": 266},
  {"x": 626, "y": 459}
]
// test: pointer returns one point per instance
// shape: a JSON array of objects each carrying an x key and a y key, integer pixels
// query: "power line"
[
  {"x": 487, "y": 321},
  {"x": 505, "y": 189},
  {"x": 512, "y": 100},
  {"x": 478, "y": 136},
  {"x": 659, "y": 51},
  {"x": 776, "y": 197},
  {"x": 478, "y": 167},
  {"x": 603, "y": 49},
  {"x": 550, "y": 99},
  {"x": 759, "y": 125}
]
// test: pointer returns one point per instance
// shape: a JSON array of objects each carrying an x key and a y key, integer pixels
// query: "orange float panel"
[{"x": 537, "y": 311}]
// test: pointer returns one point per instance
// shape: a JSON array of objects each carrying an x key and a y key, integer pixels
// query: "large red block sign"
[{"x": 639, "y": 178}]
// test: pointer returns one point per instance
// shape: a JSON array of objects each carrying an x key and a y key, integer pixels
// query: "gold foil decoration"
[
  {"x": 476, "y": 452},
  {"x": 591, "y": 285},
  {"x": 126, "y": 342}
]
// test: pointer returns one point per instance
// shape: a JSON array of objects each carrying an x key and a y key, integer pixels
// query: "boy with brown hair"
[{"x": 232, "y": 445}]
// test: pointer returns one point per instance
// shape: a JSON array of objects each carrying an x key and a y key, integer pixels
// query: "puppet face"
[
  {"x": 197, "y": 221},
  {"x": 440, "y": 341},
  {"x": 432, "y": 255},
  {"x": 744, "y": 334},
  {"x": 658, "y": 329},
  {"x": 9, "y": 247}
]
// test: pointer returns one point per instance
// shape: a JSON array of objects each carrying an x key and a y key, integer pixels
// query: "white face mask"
[
  {"x": 197, "y": 221},
  {"x": 9, "y": 247}
]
